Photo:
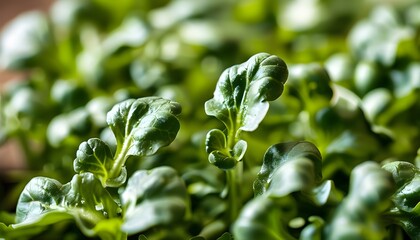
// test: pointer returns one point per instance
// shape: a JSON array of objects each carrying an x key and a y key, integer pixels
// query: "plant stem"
[
  {"x": 234, "y": 182},
  {"x": 232, "y": 194},
  {"x": 119, "y": 159}
]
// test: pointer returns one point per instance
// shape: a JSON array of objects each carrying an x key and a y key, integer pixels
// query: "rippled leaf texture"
[
  {"x": 289, "y": 167},
  {"x": 242, "y": 92},
  {"x": 144, "y": 125},
  {"x": 407, "y": 196},
  {"x": 359, "y": 214},
  {"x": 152, "y": 198},
  {"x": 46, "y": 201},
  {"x": 141, "y": 126},
  {"x": 94, "y": 156}
]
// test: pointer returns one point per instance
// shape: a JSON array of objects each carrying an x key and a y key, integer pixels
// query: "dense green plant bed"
[{"x": 138, "y": 128}]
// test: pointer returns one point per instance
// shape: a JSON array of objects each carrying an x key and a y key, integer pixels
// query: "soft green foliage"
[
  {"x": 94, "y": 156},
  {"x": 241, "y": 101},
  {"x": 360, "y": 212},
  {"x": 265, "y": 218},
  {"x": 32, "y": 33},
  {"x": 406, "y": 199},
  {"x": 333, "y": 153},
  {"x": 242, "y": 92},
  {"x": 83, "y": 198},
  {"x": 142, "y": 126},
  {"x": 297, "y": 163},
  {"x": 151, "y": 198}
]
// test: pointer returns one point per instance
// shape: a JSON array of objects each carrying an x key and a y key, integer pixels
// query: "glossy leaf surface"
[
  {"x": 407, "y": 196},
  {"x": 287, "y": 168},
  {"x": 242, "y": 92},
  {"x": 153, "y": 198},
  {"x": 141, "y": 127},
  {"x": 94, "y": 156},
  {"x": 46, "y": 201}
]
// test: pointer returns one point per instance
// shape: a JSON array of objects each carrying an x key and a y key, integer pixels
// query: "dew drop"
[{"x": 99, "y": 207}]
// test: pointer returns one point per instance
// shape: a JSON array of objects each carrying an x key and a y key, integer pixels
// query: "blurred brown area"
[
  {"x": 10, "y": 155},
  {"x": 9, "y": 9}
]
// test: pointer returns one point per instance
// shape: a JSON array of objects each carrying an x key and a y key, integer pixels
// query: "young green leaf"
[
  {"x": 153, "y": 198},
  {"x": 312, "y": 83},
  {"x": 219, "y": 153},
  {"x": 64, "y": 129},
  {"x": 95, "y": 156},
  {"x": 265, "y": 218},
  {"x": 242, "y": 92},
  {"x": 141, "y": 127},
  {"x": 359, "y": 214},
  {"x": 41, "y": 195},
  {"x": 407, "y": 196},
  {"x": 226, "y": 236},
  {"x": 29, "y": 229},
  {"x": 289, "y": 167},
  {"x": 45, "y": 201}
]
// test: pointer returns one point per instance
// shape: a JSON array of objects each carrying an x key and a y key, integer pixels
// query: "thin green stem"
[
  {"x": 232, "y": 195},
  {"x": 119, "y": 159},
  {"x": 234, "y": 177},
  {"x": 234, "y": 182}
]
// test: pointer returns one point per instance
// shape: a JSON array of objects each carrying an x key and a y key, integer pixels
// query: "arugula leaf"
[
  {"x": 141, "y": 127},
  {"x": 152, "y": 198}
]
